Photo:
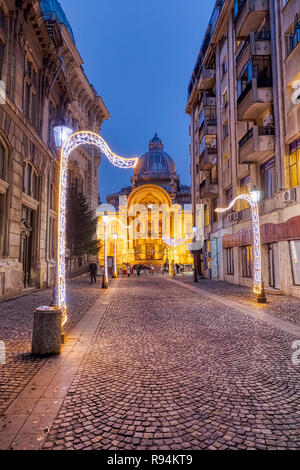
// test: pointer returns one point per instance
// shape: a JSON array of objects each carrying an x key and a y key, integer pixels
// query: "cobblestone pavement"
[
  {"x": 170, "y": 369},
  {"x": 16, "y": 318},
  {"x": 281, "y": 306}
]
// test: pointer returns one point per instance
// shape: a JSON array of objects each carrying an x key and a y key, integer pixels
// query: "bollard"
[{"x": 46, "y": 335}]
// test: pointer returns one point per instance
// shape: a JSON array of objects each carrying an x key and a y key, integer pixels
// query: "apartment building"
[
  {"x": 244, "y": 107},
  {"x": 42, "y": 73}
]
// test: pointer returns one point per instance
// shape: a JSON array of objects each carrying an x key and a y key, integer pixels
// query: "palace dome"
[
  {"x": 53, "y": 6},
  {"x": 155, "y": 163}
]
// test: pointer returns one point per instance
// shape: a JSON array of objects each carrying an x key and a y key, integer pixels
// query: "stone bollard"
[{"x": 46, "y": 335}]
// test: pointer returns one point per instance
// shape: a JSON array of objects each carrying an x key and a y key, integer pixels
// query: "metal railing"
[
  {"x": 244, "y": 92},
  {"x": 246, "y": 138}
]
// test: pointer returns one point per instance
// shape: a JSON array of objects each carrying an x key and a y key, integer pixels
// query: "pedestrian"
[
  {"x": 128, "y": 271},
  {"x": 138, "y": 270},
  {"x": 93, "y": 272}
]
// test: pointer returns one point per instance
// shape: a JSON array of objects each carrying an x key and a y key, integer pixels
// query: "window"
[
  {"x": 267, "y": 176},
  {"x": 225, "y": 99},
  {"x": 245, "y": 188},
  {"x": 2, "y": 162},
  {"x": 156, "y": 163},
  {"x": 292, "y": 165},
  {"x": 206, "y": 215},
  {"x": 245, "y": 79},
  {"x": 52, "y": 238},
  {"x": 226, "y": 162},
  {"x": 30, "y": 181},
  {"x": 294, "y": 38},
  {"x": 238, "y": 4},
  {"x": 295, "y": 257},
  {"x": 225, "y": 130},
  {"x": 229, "y": 261},
  {"x": 246, "y": 254},
  {"x": 224, "y": 67}
]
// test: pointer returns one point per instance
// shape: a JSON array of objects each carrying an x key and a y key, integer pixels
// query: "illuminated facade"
[
  {"x": 154, "y": 206},
  {"x": 45, "y": 85},
  {"x": 244, "y": 107}
]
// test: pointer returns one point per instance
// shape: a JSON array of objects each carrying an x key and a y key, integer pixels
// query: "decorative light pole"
[
  {"x": 173, "y": 243},
  {"x": 253, "y": 199},
  {"x": 105, "y": 218},
  {"x": 115, "y": 272}
]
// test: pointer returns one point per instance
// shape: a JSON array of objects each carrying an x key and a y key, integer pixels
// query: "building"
[
  {"x": 244, "y": 107},
  {"x": 154, "y": 206},
  {"x": 45, "y": 83}
]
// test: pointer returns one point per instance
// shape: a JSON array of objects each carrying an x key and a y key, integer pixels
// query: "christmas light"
[
  {"x": 252, "y": 201},
  {"x": 75, "y": 140}
]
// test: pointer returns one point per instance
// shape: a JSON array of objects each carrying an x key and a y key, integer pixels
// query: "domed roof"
[
  {"x": 53, "y": 6},
  {"x": 155, "y": 164}
]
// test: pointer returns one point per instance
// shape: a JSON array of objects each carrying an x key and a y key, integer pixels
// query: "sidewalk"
[
  {"x": 16, "y": 319},
  {"x": 280, "y": 306}
]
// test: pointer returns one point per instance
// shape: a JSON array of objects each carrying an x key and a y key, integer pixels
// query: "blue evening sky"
[{"x": 139, "y": 55}]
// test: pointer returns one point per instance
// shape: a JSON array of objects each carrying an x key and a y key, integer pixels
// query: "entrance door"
[
  {"x": 215, "y": 258},
  {"x": 274, "y": 266}
]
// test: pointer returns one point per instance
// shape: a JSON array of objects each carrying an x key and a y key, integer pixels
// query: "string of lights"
[{"x": 252, "y": 201}]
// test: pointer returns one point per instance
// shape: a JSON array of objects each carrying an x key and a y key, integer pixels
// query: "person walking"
[
  {"x": 93, "y": 272},
  {"x": 128, "y": 271}
]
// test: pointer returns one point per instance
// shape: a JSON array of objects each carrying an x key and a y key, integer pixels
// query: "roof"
[{"x": 52, "y": 7}]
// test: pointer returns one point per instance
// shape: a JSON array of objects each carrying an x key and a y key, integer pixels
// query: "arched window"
[
  {"x": 30, "y": 181},
  {"x": 2, "y": 162}
]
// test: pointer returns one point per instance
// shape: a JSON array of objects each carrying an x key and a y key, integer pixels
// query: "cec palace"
[{"x": 151, "y": 218}]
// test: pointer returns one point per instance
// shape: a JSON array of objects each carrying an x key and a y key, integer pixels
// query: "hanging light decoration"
[{"x": 72, "y": 142}]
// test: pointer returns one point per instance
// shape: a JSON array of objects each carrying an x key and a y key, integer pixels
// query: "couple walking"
[{"x": 93, "y": 272}]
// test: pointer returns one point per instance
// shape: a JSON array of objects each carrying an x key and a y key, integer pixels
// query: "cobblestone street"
[
  {"x": 170, "y": 369},
  {"x": 16, "y": 318}
]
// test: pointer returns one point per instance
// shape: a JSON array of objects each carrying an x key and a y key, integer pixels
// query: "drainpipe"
[
  {"x": 276, "y": 94},
  {"x": 56, "y": 75}
]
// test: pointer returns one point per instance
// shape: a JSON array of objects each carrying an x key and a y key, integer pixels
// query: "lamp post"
[
  {"x": 61, "y": 133},
  {"x": 194, "y": 254},
  {"x": 105, "y": 218},
  {"x": 253, "y": 199},
  {"x": 115, "y": 272}
]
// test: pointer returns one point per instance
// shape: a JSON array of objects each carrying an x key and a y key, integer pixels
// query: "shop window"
[
  {"x": 245, "y": 188},
  {"x": 229, "y": 261},
  {"x": 295, "y": 257},
  {"x": 246, "y": 258},
  {"x": 292, "y": 165},
  {"x": 267, "y": 176}
]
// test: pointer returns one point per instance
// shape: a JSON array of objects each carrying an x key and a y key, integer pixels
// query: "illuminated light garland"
[
  {"x": 174, "y": 242},
  {"x": 75, "y": 140},
  {"x": 257, "y": 279}
]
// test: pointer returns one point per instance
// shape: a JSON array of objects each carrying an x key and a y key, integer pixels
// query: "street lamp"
[
  {"x": 194, "y": 254},
  {"x": 61, "y": 133},
  {"x": 115, "y": 272},
  {"x": 253, "y": 199},
  {"x": 105, "y": 218}
]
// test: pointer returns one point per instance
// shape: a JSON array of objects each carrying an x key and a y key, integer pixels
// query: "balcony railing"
[
  {"x": 244, "y": 92},
  {"x": 261, "y": 131},
  {"x": 258, "y": 36}
]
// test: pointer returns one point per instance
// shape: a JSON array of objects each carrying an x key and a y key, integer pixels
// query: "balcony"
[
  {"x": 208, "y": 158},
  {"x": 249, "y": 16},
  {"x": 209, "y": 100},
  {"x": 208, "y": 121},
  {"x": 256, "y": 44},
  {"x": 209, "y": 189},
  {"x": 206, "y": 79},
  {"x": 257, "y": 144},
  {"x": 255, "y": 98}
]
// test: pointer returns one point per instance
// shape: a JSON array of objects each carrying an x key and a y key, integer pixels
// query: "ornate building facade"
[
  {"x": 244, "y": 107},
  {"x": 155, "y": 206},
  {"x": 45, "y": 83}
]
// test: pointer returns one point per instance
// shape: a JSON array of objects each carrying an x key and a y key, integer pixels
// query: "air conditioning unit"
[
  {"x": 268, "y": 120},
  {"x": 289, "y": 196},
  {"x": 236, "y": 215}
]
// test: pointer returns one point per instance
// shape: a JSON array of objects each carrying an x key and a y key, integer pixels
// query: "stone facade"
[
  {"x": 244, "y": 105},
  {"x": 45, "y": 85}
]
